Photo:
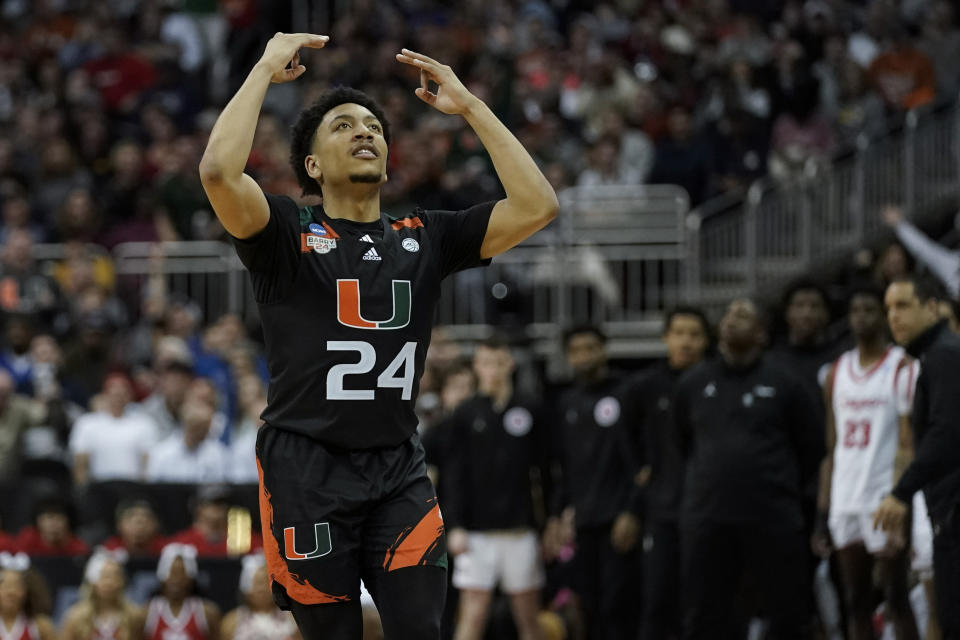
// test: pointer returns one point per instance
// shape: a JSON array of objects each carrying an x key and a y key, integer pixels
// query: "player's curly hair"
[{"x": 306, "y": 128}]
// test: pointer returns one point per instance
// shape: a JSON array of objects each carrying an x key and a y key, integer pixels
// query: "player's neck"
[
  {"x": 499, "y": 395},
  {"x": 353, "y": 203},
  {"x": 871, "y": 350}
]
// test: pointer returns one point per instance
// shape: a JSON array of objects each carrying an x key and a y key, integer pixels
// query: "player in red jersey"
[
  {"x": 347, "y": 295},
  {"x": 20, "y": 598},
  {"x": 177, "y": 612}
]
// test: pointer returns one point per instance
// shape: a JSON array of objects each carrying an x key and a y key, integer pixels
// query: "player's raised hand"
[
  {"x": 282, "y": 55},
  {"x": 451, "y": 96}
]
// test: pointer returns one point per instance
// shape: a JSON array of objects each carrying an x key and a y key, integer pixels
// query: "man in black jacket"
[
  {"x": 912, "y": 314},
  {"x": 686, "y": 334},
  {"x": 599, "y": 491},
  {"x": 496, "y": 474},
  {"x": 744, "y": 422}
]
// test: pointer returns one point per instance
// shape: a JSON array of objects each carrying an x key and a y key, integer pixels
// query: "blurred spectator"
[
  {"x": 808, "y": 349},
  {"x": 119, "y": 73},
  {"x": 17, "y": 216},
  {"x": 23, "y": 288},
  {"x": 51, "y": 533},
  {"x": 208, "y": 534},
  {"x": 177, "y": 611},
  {"x": 860, "y": 109},
  {"x": 103, "y": 610},
  {"x": 89, "y": 357},
  {"x": 801, "y": 135},
  {"x": 174, "y": 371},
  {"x": 257, "y": 617},
  {"x": 24, "y": 601},
  {"x": 18, "y": 413},
  {"x": 189, "y": 455},
  {"x": 499, "y": 449},
  {"x": 138, "y": 530},
  {"x": 743, "y": 411},
  {"x": 15, "y": 357},
  {"x": 113, "y": 443},
  {"x": 942, "y": 262},
  {"x": 606, "y": 166},
  {"x": 243, "y": 459},
  {"x": 894, "y": 262},
  {"x": 940, "y": 40},
  {"x": 683, "y": 157},
  {"x": 903, "y": 74}
]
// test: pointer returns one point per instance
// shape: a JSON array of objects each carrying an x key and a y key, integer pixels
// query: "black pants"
[
  {"x": 946, "y": 572},
  {"x": 733, "y": 572},
  {"x": 661, "y": 581},
  {"x": 608, "y": 584}
]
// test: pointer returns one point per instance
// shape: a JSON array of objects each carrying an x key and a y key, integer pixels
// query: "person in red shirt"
[
  {"x": 52, "y": 531},
  {"x": 208, "y": 534},
  {"x": 178, "y": 612},
  {"x": 137, "y": 530},
  {"x": 23, "y": 600}
]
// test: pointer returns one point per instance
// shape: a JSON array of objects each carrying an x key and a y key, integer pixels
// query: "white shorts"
[
  {"x": 852, "y": 527},
  {"x": 922, "y": 535},
  {"x": 510, "y": 559}
]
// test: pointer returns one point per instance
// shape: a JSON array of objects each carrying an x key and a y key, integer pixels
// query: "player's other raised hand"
[
  {"x": 451, "y": 96},
  {"x": 282, "y": 54}
]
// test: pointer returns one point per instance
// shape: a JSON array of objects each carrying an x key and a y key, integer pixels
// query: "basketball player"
[
  {"x": 347, "y": 294},
  {"x": 868, "y": 394}
]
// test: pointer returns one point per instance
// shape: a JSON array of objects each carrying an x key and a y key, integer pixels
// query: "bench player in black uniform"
[{"x": 347, "y": 295}]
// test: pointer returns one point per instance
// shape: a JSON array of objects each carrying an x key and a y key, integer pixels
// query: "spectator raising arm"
[{"x": 942, "y": 262}]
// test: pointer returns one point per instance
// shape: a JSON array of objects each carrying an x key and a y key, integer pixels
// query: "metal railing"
[{"x": 783, "y": 227}]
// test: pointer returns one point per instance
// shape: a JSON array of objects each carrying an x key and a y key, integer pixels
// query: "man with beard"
[{"x": 744, "y": 423}]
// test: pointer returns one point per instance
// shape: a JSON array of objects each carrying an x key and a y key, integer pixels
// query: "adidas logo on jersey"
[
  {"x": 371, "y": 255},
  {"x": 366, "y": 238}
]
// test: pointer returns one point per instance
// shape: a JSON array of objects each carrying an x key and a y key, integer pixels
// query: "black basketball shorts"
[{"x": 333, "y": 516}]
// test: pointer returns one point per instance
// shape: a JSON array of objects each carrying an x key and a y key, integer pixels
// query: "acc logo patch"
[
  {"x": 410, "y": 245},
  {"x": 517, "y": 421},
  {"x": 607, "y": 411}
]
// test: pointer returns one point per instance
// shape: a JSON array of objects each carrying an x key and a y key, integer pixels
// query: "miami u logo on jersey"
[
  {"x": 348, "y": 306},
  {"x": 321, "y": 542}
]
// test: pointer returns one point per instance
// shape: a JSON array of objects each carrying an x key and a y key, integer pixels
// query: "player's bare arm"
[
  {"x": 237, "y": 200},
  {"x": 531, "y": 202}
]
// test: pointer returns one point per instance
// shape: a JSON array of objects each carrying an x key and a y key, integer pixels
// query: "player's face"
[
  {"x": 866, "y": 316},
  {"x": 686, "y": 341},
  {"x": 740, "y": 326},
  {"x": 349, "y": 147},
  {"x": 492, "y": 366},
  {"x": 907, "y": 316},
  {"x": 586, "y": 354},
  {"x": 807, "y": 313},
  {"x": 13, "y": 591}
]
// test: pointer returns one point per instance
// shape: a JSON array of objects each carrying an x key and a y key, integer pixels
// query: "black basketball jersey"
[{"x": 347, "y": 310}]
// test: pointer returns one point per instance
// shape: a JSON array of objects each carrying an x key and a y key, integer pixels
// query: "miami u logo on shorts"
[
  {"x": 322, "y": 544},
  {"x": 348, "y": 306}
]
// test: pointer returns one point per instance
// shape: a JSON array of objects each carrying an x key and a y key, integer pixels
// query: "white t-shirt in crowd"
[
  {"x": 115, "y": 446},
  {"x": 243, "y": 458},
  {"x": 172, "y": 461}
]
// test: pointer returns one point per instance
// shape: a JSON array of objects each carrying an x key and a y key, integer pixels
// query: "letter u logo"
[
  {"x": 348, "y": 306},
  {"x": 321, "y": 542}
]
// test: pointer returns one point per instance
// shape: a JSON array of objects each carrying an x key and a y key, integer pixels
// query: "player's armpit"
[{"x": 238, "y": 202}]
